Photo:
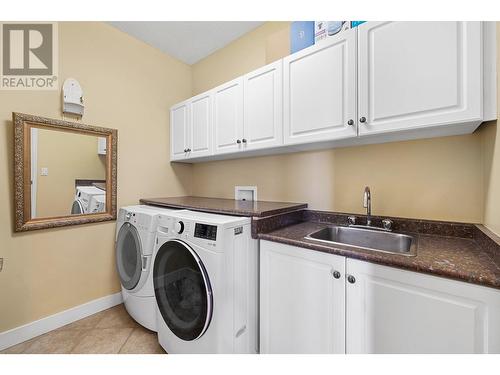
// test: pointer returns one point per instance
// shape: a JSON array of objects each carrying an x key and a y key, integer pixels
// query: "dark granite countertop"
[
  {"x": 466, "y": 259},
  {"x": 226, "y": 206}
]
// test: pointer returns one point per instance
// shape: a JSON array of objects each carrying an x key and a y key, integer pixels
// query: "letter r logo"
[{"x": 27, "y": 49}]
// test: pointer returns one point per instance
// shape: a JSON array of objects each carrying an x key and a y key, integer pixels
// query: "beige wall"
[
  {"x": 68, "y": 156},
  {"x": 242, "y": 56},
  {"x": 491, "y": 162},
  {"x": 439, "y": 178},
  {"x": 128, "y": 86}
]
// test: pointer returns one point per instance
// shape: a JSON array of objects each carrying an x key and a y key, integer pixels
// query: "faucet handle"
[
  {"x": 387, "y": 224},
  {"x": 351, "y": 220}
]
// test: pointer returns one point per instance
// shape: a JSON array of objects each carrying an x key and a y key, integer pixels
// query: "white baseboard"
[{"x": 39, "y": 327}]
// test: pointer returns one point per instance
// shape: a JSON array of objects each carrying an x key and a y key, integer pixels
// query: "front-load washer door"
[
  {"x": 77, "y": 208},
  {"x": 182, "y": 290},
  {"x": 128, "y": 256}
]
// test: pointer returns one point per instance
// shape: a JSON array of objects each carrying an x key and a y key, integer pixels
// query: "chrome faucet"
[{"x": 367, "y": 203}]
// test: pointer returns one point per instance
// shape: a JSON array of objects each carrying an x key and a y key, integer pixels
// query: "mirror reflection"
[{"x": 68, "y": 173}]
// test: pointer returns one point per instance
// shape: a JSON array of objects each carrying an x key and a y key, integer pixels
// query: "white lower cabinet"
[
  {"x": 396, "y": 311},
  {"x": 301, "y": 303},
  {"x": 386, "y": 310}
]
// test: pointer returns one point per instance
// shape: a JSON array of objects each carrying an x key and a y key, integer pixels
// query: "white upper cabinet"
[
  {"x": 396, "y": 311},
  {"x": 263, "y": 107},
  {"x": 319, "y": 95},
  {"x": 228, "y": 116},
  {"x": 302, "y": 301},
  {"x": 179, "y": 119},
  {"x": 418, "y": 74},
  {"x": 200, "y": 129},
  {"x": 378, "y": 82}
]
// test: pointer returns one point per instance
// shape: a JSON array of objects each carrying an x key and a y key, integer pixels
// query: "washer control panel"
[{"x": 205, "y": 231}]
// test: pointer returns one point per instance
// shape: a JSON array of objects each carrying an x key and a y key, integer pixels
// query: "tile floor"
[{"x": 111, "y": 331}]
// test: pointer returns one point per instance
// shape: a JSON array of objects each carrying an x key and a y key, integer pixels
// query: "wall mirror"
[{"x": 65, "y": 173}]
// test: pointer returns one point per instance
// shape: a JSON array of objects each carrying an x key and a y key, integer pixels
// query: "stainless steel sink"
[{"x": 368, "y": 239}]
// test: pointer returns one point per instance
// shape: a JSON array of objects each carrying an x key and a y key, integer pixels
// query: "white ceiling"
[{"x": 187, "y": 41}]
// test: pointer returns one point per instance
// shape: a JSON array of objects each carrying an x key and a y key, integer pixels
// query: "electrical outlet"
[
  {"x": 45, "y": 171},
  {"x": 1, "y": 264}
]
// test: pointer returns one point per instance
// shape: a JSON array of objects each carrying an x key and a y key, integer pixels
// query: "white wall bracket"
[{"x": 72, "y": 97}]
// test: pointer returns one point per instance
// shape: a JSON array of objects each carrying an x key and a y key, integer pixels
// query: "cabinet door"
[
  {"x": 179, "y": 120},
  {"x": 302, "y": 306},
  {"x": 396, "y": 311},
  {"x": 200, "y": 129},
  {"x": 263, "y": 107},
  {"x": 228, "y": 117},
  {"x": 320, "y": 91},
  {"x": 418, "y": 74}
]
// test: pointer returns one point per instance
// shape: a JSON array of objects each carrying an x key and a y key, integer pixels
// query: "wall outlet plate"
[{"x": 245, "y": 193}]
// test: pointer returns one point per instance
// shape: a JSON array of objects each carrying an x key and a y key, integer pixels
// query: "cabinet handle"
[
  {"x": 350, "y": 122},
  {"x": 185, "y": 150},
  {"x": 351, "y": 279},
  {"x": 188, "y": 150},
  {"x": 362, "y": 119},
  {"x": 336, "y": 274},
  {"x": 238, "y": 141},
  {"x": 244, "y": 140}
]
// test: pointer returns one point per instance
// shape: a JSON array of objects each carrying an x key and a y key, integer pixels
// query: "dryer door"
[
  {"x": 182, "y": 290},
  {"x": 128, "y": 256}
]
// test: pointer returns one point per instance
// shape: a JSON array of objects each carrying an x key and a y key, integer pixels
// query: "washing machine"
[
  {"x": 83, "y": 196},
  {"x": 97, "y": 204},
  {"x": 205, "y": 278},
  {"x": 135, "y": 240}
]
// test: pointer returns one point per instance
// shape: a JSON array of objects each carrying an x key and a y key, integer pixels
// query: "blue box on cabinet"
[
  {"x": 301, "y": 35},
  {"x": 356, "y": 23}
]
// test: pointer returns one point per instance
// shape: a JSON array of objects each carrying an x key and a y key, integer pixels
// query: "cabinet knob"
[
  {"x": 351, "y": 279},
  {"x": 336, "y": 274},
  {"x": 362, "y": 119},
  {"x": 185, "y": 150},
  {"x": 244, "y": 140},
  {"x": 238, "y": 141},
  {"x": 350, "y": 122},
  {"x": 188, "y": 150}
]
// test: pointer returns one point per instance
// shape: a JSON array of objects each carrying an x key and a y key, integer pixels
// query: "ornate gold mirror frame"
[{"x": 23, "y": 124}]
